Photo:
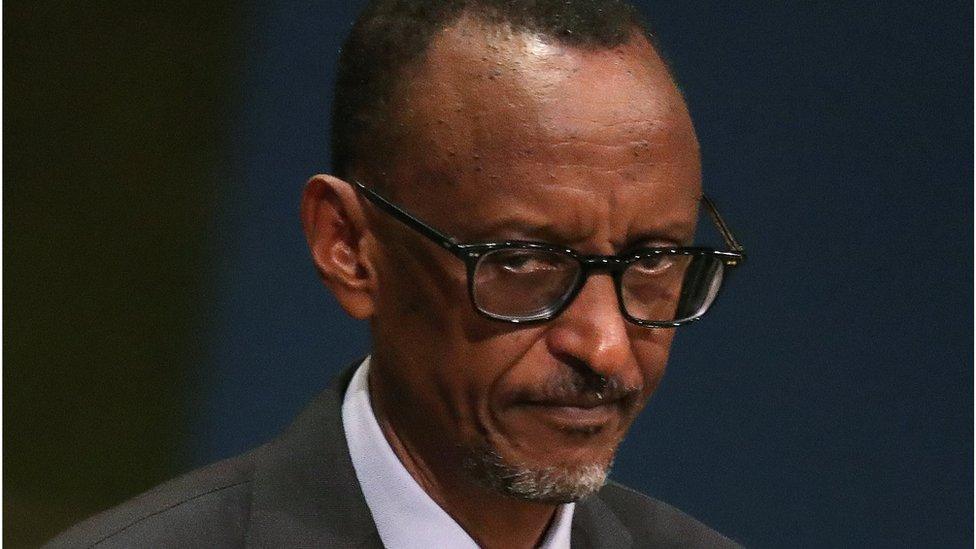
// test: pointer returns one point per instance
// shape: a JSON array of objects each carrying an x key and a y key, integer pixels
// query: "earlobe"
[{"x": 335, "y": 227}]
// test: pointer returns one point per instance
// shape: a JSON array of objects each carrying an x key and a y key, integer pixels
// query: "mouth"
[
  {"x": 576, "y": 418},
  {"x": 572, "y": 414},
  {"x": 582, "y": 416}
]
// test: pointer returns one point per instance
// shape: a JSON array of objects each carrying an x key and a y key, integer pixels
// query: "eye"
[{"x": 652, "y": 265}]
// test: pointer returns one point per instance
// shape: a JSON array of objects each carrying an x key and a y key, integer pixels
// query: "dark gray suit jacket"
[{"x": 300, "y": 490}]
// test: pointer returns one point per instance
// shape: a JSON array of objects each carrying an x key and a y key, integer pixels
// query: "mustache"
[{"x": 573, "y": 388}]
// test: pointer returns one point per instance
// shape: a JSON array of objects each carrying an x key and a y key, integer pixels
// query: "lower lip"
[{"x": 574, "y": 417}]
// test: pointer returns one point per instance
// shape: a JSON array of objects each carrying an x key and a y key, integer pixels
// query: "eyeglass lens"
[
  {"x": 669, "y": 288},
  {"x": 528, "y": 284},
  {"x": 523, "y": 284}
]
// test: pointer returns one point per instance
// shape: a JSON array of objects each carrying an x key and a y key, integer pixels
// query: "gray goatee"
[{"x": 549, "y": 484}]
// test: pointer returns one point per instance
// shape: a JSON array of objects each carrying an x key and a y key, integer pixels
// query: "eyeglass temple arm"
[
  {"x": 723, "y": 228},
  {"x": 449, "y": 243},
  {"x": 406, "y": 218}
]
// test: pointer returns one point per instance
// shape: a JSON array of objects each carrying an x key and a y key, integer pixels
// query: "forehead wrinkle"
[
  {"x": 529, "y": 74},
  {"x": 489, "y": 106}
]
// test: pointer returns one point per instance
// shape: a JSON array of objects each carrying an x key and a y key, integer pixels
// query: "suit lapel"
[
  {"x": 305, "y": 491},
  {"x": 595, "y": 526}
]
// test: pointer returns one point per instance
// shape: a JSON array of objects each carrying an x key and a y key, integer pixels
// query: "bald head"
[
  {"x": 392, "y": 39},
  {"x": 490, "y": 95}
]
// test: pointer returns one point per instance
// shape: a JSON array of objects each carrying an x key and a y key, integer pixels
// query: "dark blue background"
[{"x": 827, "y": 400}]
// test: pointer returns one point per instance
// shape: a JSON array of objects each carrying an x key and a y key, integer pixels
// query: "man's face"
[{"x": 503, "y": 136}]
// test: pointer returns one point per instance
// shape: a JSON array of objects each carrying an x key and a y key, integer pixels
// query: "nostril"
[{"x": 589, "y": 378}]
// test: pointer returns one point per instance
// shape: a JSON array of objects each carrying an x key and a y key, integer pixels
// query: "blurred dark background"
[{"x": 160, "y": 310}]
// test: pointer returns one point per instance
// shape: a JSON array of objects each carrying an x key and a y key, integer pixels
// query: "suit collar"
[
  {"x": 305, "y": 492},
  {"x": 305, "y": 489}
]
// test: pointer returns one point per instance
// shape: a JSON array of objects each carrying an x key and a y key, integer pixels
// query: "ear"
[{"x": 335, "y": 227}]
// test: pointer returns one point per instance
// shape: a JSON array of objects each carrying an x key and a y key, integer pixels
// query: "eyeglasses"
[{"x": 521, "y": 282}]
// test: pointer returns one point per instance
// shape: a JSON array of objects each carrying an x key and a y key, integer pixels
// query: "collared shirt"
[{"x": 404, "y": 514}]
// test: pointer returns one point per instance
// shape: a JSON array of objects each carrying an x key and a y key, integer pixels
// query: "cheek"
[
  {"x": 485, "y": 359},
  {"x": 421, "y": 287},
  {"x": 425, "y": 319},
  {"x": 651, "y": 352},
  {"x": 503, "y": 357}
]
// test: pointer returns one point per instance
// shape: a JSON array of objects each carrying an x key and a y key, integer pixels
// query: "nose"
[{"x": 593, "y": 331}]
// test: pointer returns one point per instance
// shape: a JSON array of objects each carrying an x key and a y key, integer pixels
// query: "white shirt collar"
[{"x": 404, "y": 514}]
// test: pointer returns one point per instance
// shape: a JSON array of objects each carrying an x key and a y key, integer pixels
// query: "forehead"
[{"x": 495, "y": 118}]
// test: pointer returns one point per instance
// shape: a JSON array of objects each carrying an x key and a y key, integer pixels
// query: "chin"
[{"x": 554, "y": 480}]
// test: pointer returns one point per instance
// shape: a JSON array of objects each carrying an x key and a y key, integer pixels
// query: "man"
[{"x": 515, "y": 190}]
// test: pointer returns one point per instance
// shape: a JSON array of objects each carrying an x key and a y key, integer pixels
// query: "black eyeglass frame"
[{"x": 472, "y": 253}]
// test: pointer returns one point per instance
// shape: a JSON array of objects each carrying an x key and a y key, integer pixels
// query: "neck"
[{"x": 492, "y": 519}]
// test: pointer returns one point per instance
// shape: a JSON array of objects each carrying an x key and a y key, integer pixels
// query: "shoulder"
[
  {"x": 298, "y": 487},
  {"x": 653, "y": 523},
  {"x": 208, "y": 507}
]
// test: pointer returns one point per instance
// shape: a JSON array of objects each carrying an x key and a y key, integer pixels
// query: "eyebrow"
[{"x": 517, "y": 228}]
